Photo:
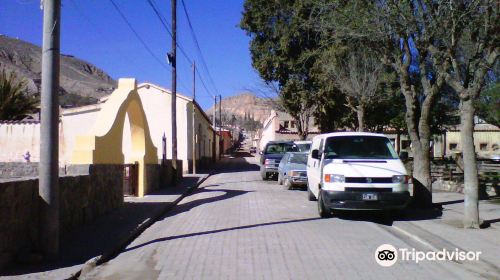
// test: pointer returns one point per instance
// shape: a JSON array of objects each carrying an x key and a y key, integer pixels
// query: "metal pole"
[
  {"x": 193, "y": 147},
  {"x": 220, "y": 125},
  {"x": 174, "y": 88},
  {"x": 48, "y": 187},
  {"x": 214, "y": 125}
]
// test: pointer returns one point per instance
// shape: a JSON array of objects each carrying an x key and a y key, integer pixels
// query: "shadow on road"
[
  {"x": 235, "y": 163},
  {"x": 218, "y": 231},
  {"x": 180, "y": 208}
]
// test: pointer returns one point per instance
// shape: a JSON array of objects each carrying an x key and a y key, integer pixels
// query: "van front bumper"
[{"x": 354, "y": 200}]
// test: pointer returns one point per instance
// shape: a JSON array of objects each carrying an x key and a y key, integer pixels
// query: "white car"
[{"x": 355, "y": 170}]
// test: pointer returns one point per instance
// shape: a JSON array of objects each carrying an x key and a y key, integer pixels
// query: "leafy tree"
[
  {"x": 430, "y": 45},
  {"x": 394, "y": 29},
  {"x": 15, "y": 104},
  {"x": 488, "y": 105},
  {"x": 283, "y": 51}
]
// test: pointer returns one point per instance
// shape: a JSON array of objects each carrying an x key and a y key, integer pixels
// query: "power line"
[
  {"x": 82, "y": 14},
  {"x": 143, "y": 42},
  {"x": 164, "y": 23},
  {"x": 203, "y": 83},
  {"x": 138, "y": 36},
  {"x": 159, "y": 16},
  {"x": 193, "y": 34}
]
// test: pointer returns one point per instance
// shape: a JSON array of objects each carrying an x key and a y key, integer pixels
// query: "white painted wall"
[
  {"x": 75, "y": 121},
  {"x": 17, "y": 138}
]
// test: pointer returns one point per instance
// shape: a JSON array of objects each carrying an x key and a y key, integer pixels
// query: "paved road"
[{"x": 235, "y": 226}]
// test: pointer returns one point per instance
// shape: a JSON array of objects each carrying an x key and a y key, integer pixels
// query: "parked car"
[
  {"x": 354, "y": 170},
  {"x": 303, "y": 146},
  {"x": 271, "y": 156},
  {"x": 253, "y": 150},
  {"x": 292, "y": 170}
]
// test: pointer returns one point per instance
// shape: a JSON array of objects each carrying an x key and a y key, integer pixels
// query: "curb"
[
  {"x": 96, "y": 261},
  {"x": 484, "y": 268}
]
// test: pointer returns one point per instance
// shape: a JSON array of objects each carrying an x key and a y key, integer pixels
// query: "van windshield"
[
  {"x": 359, "y": 147},
  {"x": 280, "y": 148}
]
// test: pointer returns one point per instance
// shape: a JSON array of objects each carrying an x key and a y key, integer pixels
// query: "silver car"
[{"x": 292, "y": 170}]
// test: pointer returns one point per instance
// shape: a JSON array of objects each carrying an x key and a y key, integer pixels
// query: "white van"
[{"x": 355, "y": 170}]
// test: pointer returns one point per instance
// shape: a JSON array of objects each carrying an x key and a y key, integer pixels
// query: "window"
[
  {"x": 483, "y": 146},
  {"x": 405, "y": 144},
  {"x": 298, "y": 158},
  {"x": 453, "y": 146},
  {"x": 285, "y": 124},
  {"x": 280, "y": 148},
  {"x": 292, "y": 124},
  {"x": 359, "y": 147}
]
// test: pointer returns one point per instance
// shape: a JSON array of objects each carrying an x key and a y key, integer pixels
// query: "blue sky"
[{"x": 93, "y": 30}]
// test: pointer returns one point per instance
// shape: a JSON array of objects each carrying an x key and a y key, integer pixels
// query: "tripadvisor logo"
[{"x": 387, "y": 255}]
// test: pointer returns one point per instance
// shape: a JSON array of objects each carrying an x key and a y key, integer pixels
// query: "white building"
[
  {"x": 281, "y": 126},
  {"x": 16, "y": 138}
]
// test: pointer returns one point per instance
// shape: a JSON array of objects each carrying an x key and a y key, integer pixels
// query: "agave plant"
[{"x": 15, "y": 103}]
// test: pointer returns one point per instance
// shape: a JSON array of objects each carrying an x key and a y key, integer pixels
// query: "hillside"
[
  {"x": 245, "y": 104},
  {"x": 81, "y": 82}
]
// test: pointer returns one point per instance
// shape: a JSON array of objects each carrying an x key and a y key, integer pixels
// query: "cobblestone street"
[{"x": 236, "y": 226}]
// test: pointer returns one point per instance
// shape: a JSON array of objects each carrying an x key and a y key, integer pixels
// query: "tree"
[
  {"x": 394, "y": 30},
  {"x": 471, "y": 46},
  {"x": 358, "y": 75},
  {"x": 15, "y": 104},
  {"x": 283, "y": 51}
]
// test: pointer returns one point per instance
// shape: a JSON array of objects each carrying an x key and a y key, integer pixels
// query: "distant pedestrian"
[{"x": 27, "y": 156}]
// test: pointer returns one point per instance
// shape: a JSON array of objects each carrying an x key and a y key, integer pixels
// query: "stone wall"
[
  {"x": 18, "y": 218},
  {"x": 83, "y": 197},
  {"x": 12, "y": 170}
]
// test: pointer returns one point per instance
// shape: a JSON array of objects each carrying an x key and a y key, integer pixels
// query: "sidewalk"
[
  {"x": 447, "y": 232},
  {"x": 107, "y": 235}
]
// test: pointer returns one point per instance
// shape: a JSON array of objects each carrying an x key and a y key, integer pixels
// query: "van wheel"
[
  {"x": 324, "y": 212},
  {"x": 310, "y": 195}
]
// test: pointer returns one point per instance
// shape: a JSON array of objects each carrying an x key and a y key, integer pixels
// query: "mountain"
[
  {"x": 80, "y": 82},
  {"x": 245, "y": 104}
]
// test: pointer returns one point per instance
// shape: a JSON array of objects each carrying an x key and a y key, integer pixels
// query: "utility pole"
[
  {"x": 174, "y": 88},
  {"x": 48, "y": 185},
  {"x": 193, "y": 147},
  {"x": 214, "y": 125},
  {"x": 220, "y": 125}
]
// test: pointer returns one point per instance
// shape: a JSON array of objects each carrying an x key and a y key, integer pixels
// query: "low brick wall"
[{"x": 83, "y": 197}]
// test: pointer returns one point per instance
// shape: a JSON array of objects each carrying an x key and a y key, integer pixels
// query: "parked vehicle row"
[
  {"x": 292, "y": 170},
  {"x": 271, "y": 156},
  {"x": 342, "y": 170}
]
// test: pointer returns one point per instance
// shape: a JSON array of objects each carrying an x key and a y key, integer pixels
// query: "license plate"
[{"x": 370, "y": 196}]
